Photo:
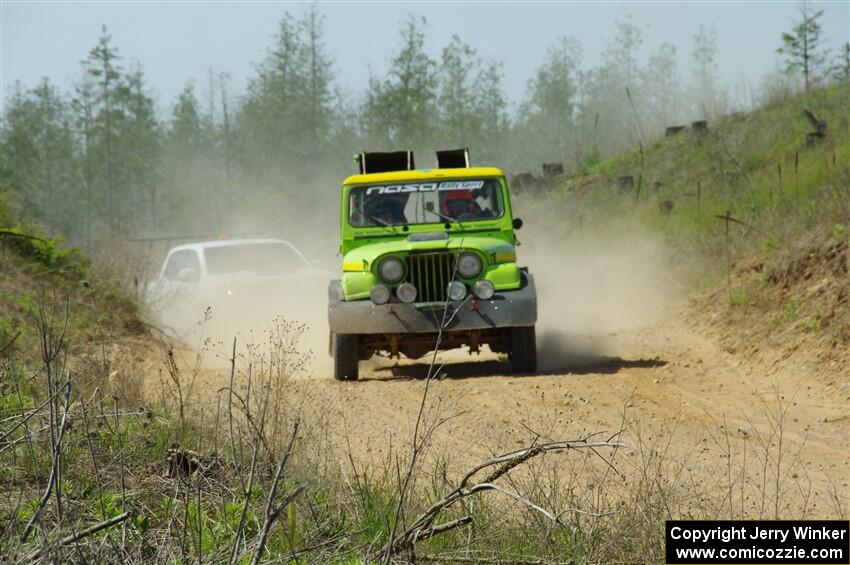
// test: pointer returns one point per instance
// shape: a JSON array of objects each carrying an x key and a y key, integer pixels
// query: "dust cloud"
[
  {"x": 302, "y": 306},
  {"x": 595, "y": 279},
  {"x": 251, "y": 311}
]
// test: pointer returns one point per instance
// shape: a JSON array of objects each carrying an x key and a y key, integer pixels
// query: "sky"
[{"x": 177, "y": 42}]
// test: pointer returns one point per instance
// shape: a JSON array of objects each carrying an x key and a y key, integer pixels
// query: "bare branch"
[
  {"x": 54, "y": 470},
  {"x": 83, "y": 534},
  {"x": 422, "y": 526},
  {"x": 272, "y": 511}
]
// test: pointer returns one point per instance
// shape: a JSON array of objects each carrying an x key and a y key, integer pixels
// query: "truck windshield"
[
  {"x": 255, "y": 258},
  {"x": 427, "y": 202}
]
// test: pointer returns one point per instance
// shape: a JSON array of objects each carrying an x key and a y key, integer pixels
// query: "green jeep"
[{"x": 428, "y": 253}]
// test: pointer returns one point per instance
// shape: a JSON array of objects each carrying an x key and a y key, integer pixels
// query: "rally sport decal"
[{"x": 425, "y": 187}]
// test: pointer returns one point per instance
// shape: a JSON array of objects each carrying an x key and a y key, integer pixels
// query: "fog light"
[
  {"x": 379, "y": 294},
  {"x": 406, "y": 292},
  {"x": 484, "y": 289},
  {"x": 456, "y": 290}
]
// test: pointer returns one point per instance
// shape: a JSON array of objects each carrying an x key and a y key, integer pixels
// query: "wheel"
[
  {"x": 346, "y": 357},
  {"x": 523, "y": 353}
]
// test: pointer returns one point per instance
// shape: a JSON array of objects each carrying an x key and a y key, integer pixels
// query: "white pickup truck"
[{"x": 235, "y": 286}]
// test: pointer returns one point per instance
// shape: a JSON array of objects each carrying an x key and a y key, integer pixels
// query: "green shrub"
[{"x": 46, "y": 252}]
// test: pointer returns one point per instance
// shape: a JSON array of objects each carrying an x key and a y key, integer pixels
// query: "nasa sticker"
[{"x": 426, "y": 187}]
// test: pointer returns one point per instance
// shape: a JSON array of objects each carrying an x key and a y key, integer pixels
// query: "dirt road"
[{"x": 675, "y": 390}]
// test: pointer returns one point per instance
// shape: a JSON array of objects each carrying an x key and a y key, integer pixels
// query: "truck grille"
[{"x": 430, "y": 273}]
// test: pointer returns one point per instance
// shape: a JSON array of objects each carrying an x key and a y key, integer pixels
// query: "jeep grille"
[{"x": 430, "y": 273}]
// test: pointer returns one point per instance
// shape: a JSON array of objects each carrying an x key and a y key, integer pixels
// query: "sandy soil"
[{"x": 672, "y": 387}]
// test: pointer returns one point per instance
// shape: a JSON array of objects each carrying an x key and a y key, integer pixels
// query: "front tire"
[
  {"x": 523, "y": 353},
  {"x": 346, "y": 357}
]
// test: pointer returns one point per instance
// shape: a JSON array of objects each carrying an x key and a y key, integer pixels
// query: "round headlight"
[
  {"x": 456, "y": 290},
  {"x": 379, "y": 294},
  {"x": 483, "y": 289},
  {"x": 406, "y": 292},
  {"x": 468, "y": 265},
  {"x": 391, "y": 270}
]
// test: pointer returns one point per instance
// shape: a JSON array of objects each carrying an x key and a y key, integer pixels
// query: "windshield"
[
  {"x": 255, "y": 258},
  {"x": 427, "y": 202}
]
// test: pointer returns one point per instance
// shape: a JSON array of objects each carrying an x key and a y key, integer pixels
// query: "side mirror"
[
  {"x": 188, "y": 275},
  {"x": 517, "y": 223}
]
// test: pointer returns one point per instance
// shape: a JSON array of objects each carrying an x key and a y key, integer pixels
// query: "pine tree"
[
  {"x": 282, "y": 130},
  {"x": 549, "y": 111},
  {"x": 185, "y": 166},
  {"x": 841, "y": 69},
  {"x": 20, "y": 150},
  {"x": 318, "y": 98},
  {"x": 186, "y": 122},
  {"x": 38, "y": 148},
  {"x": 471, "y": 104},
  {"x": 270, "y": 118},
  {"x": 139, "y": 154},
  {"x": 398, "y": 110},
  {"x": 83, "y": 106},
  {"x": 621, "y": 53},
  {"x": 660, "y": 87},
  {"x": 457, "y": 93},
  {"x": 703, "y": 55},
  {"x": 226, "y": 130},
  {"x": 609, "y": 98},
  {"x": 102, "y": 66},
  {"x": 492, "y": 108},
  {"x": 56, "y": 154},
  {"x": 802, "y": 47}
]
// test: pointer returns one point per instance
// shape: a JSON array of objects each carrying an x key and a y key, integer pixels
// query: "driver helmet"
[{"x": 457, "y": 202}]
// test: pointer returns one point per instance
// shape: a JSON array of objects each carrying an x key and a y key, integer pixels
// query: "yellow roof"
[{"x": 423, "y": 174}]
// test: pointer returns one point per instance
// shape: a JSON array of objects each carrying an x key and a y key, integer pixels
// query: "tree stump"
[
  {"x": 665, "y": 207},
  {"x": 181, "y": 462},
  {"x": 700, "y": 126},
  {"x": 551, "y": 170},
  {"x": 813, "y": 137},
  {"x": 673, "y": 130}
]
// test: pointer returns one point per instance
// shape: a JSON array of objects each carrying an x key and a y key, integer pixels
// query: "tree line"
[{"x": 102, "y": 161}]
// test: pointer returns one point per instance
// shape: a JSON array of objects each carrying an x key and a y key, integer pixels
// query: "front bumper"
[{"x": 505, "y": 309}]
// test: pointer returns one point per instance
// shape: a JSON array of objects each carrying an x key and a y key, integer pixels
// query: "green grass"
[
  {"x": 812, "y": 325},
  {"x": 788, "y": 313},
  {"x": 757, "y": 167},
  {"x": 740, "y": 297}
]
